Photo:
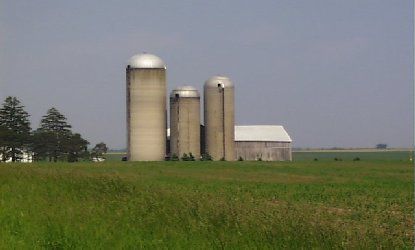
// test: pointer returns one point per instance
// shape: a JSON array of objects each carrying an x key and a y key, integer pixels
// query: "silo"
[
  {"x": 219, "y": 116},
  {"x": 146, "y": 108},
  {"x": 185, "y": 121}
]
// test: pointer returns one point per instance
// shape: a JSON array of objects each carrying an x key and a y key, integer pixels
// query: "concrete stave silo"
[
  {"x": 146, "y": 108},
  {"x": 219, "y": 118},
  {"x": 185, "y": 121}
]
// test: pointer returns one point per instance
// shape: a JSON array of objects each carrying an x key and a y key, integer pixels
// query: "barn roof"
[{"x": 261, "y": 133}]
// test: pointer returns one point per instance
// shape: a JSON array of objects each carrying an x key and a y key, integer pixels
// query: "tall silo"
[
  {"x": 185, "y": 121},
  {"x": 219, "y": 117},
  {"x": 146, "y": 108}
]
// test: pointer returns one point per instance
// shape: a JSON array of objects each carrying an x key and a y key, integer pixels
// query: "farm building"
[{"x": 262, "y": 142}]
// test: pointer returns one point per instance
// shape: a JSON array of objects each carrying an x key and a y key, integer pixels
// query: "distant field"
[
  {"x": 349, "y": 155},
  {"x": 304, "y": 204},
  {"x": 329, "y": 155}
]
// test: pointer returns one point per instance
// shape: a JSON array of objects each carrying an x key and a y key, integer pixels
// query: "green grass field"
[{"x": 200, "y": 205}]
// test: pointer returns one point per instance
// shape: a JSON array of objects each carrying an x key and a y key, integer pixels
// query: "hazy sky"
[{"x": 334, "y": 73}]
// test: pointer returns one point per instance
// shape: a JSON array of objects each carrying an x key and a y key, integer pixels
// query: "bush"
[
  {"x": 337, "y": 159},
  {"x": 185, "y": 157},
  {"x": 240, "y": 158},
  {"x": 174, "y": 157},
  {"x": 222, "y": 159},
  {"x": 191, "y": 157},
  {"x": 315, "y": 159},
  {"x": 356, "y": 159},
  {"x": 206, "y": 157}
]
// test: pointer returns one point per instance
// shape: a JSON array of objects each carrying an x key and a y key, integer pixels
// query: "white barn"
[{"x": 263, "y": 142}]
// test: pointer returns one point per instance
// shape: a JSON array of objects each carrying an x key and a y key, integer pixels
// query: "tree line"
[{"x": 52, "y": 141}]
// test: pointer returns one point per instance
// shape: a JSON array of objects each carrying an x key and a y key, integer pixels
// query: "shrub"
[
  {"x": 191, "y": 157},
  {"x": 206, "y": 157},
  {"x": 356, "y": 159},
  {"x": 174, "y": 157},
  {"x": 240, "y": 158},
  {"x": 222, "y": 159},
  {"x": 185, "y": 157}
]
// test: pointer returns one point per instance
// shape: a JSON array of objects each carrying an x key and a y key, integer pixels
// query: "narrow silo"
[
  {"x": 185, "y": 121},
  {"x": 146, "y": 108},
  {"x": 219, "y": 118}
]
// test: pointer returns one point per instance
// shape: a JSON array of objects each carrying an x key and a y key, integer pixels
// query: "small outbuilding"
[{"x": 262, "y": 142}]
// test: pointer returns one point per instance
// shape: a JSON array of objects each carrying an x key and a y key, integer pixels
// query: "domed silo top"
[
  {"x": 184, "y": 91},
  {"x": 219, "y": 82},
  {"x": 146, "y": 61}
]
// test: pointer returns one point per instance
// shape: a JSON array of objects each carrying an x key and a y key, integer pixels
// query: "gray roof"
[
  {"x": 146, "y": 61},
  {"x": 273, "y": 133}
]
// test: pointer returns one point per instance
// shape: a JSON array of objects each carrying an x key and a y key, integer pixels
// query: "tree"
[
  {"x": 5, "y": 136},
  {"x": 55, "y": 132},
  {"x": 76, "y": 147},
  {"x": 14, "y": 129},
  {"x": 42, "y": 145},
  {"x": 99, "y": 150}
]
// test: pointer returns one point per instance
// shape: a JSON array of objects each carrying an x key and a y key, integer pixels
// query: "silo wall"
[
  {"x": 219, "y": 121},
  {"x": 185, "y": 126},
  {"x": 146, "y": 114}
]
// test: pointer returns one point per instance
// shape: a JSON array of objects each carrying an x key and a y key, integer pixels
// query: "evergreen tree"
[
  {"x": 14, "y": 129},
  {"x": 55, "y": 132}
]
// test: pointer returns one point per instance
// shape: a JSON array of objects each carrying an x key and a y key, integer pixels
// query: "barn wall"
[{"x": 267, "y": 151}]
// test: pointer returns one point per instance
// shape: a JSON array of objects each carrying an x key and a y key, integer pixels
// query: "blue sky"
[{"x": 334, "y": 73}]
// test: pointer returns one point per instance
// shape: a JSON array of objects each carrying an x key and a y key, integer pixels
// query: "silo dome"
[
  {"x": 214, "y": 81},
  {"x": 146, "y": 61},
  {"x": 184, "y": 91}
]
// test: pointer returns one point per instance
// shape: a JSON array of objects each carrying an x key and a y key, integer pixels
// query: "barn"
[{"x": 262, "y": 142}]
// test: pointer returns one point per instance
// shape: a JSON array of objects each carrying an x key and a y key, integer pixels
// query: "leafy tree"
[
  {"x": 55, "y": 132},
  {"x": 381, "y": 146},
  {"x": 76, "y": 147},
  {"x": 14, "y": 129},
  {"x": 42, "y": 145},
  {"x": 99, "y": 150}
]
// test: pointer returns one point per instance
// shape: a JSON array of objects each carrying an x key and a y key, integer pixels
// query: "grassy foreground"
[{"x": 207, "y": 205}]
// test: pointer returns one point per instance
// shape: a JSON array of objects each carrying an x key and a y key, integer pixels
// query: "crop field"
[{"x": 202, "y": 205}]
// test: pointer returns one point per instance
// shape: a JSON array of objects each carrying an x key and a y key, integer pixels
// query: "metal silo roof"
[
  {"x": 185, "y": 91},
  {"x": 146, "y": 61},
  {"x": 215, "y": 80},
  {"x": 273, "y": 133}
]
